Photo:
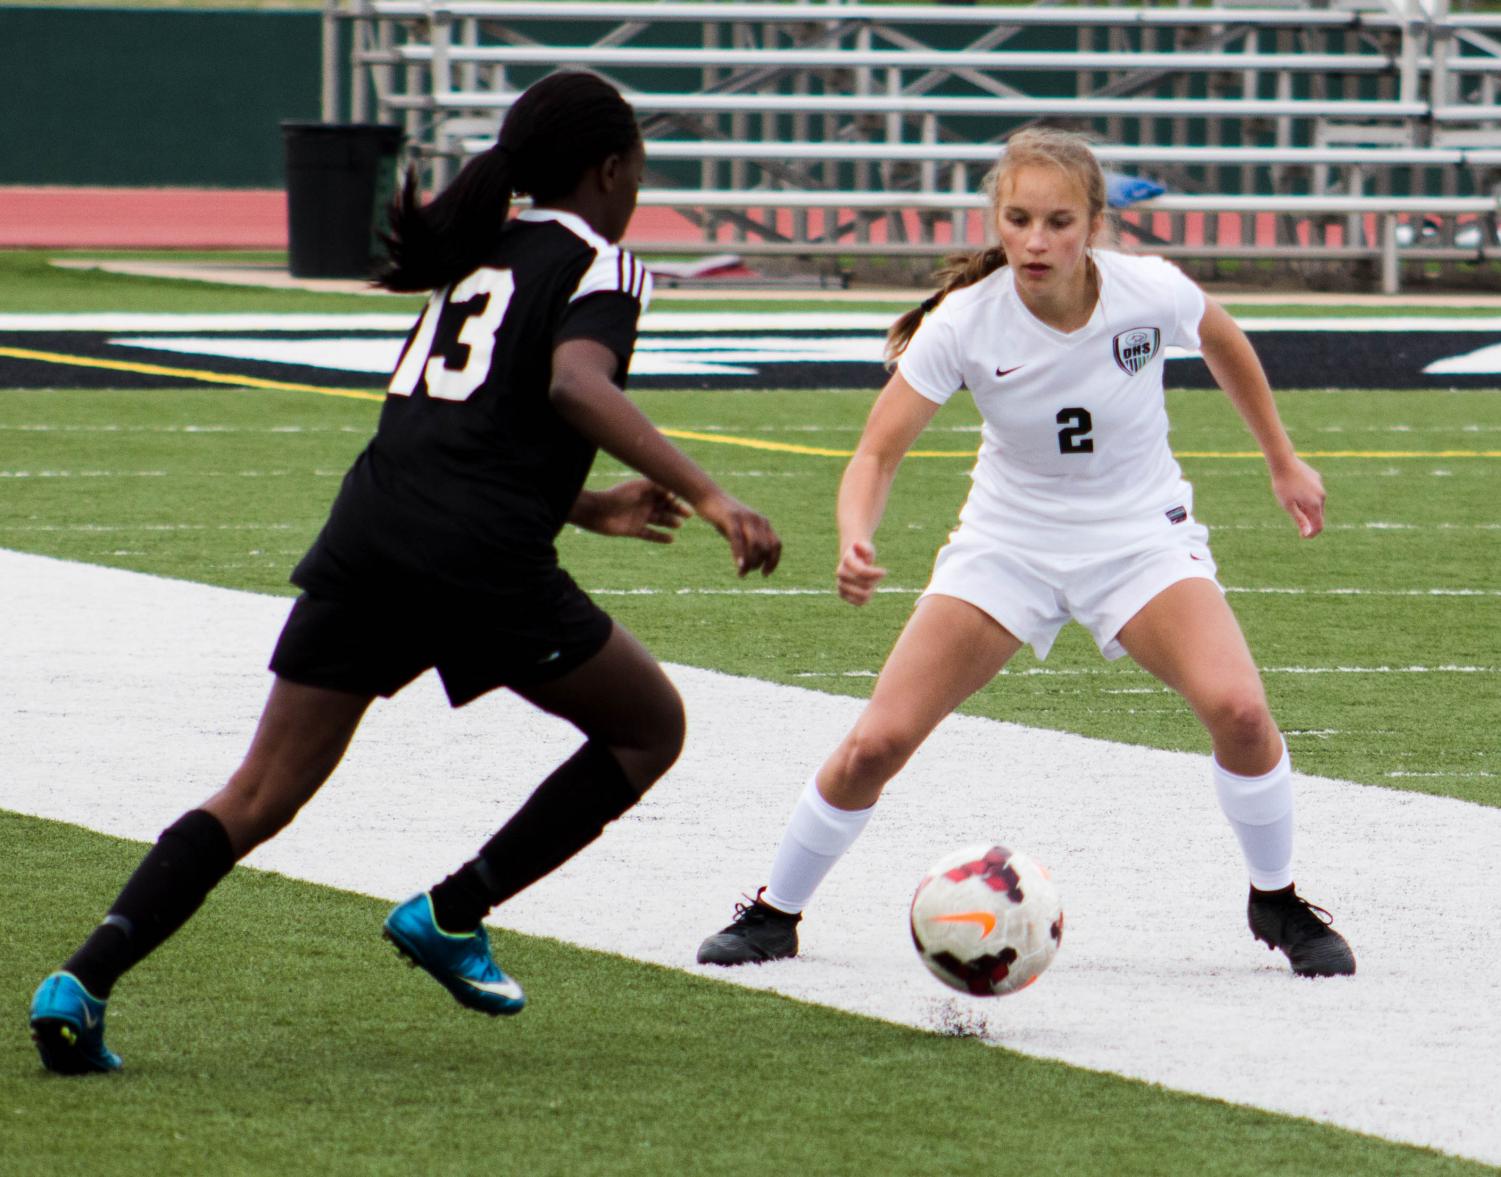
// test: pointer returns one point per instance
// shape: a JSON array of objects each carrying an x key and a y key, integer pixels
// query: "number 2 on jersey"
[
  {"x": 488, "y": 293},
  {"x": 1074, "y": 437}
]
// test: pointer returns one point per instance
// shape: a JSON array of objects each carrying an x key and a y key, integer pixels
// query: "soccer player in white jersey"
[{"x": 1078, "y": 510}]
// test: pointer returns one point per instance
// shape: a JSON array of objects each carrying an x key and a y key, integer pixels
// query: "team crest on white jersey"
[{"x": 1134, "y": 349}]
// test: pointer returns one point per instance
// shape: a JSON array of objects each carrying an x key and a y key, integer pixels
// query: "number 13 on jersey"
[{"x": 454, "y": 374}]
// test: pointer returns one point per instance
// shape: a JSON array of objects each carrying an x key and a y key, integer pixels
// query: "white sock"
[
  {"x": 1260, "y": 810},
  {"x": 816, "y": 837}
]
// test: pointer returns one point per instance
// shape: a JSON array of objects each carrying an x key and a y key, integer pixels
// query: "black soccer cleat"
[
  {"x": 1301, "y": 930},
  {"x": 759, "y": 933}
]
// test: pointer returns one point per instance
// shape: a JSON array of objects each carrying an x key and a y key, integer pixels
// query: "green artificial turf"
[
  {"x": 278, "y": 1034},
  {"x": 31, "y": 284}
]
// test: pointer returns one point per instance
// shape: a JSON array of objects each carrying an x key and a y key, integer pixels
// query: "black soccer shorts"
[{"x": 376, "y": 646}]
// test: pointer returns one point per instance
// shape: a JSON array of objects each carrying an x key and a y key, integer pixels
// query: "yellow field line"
[
  {"x": 752, "y": 443},
  {"x": 52, "y": 357},
  {"x": 1347, "y": 454},
  {"x": 791, "y": 447},
  {"x": 788, "y": 447}
]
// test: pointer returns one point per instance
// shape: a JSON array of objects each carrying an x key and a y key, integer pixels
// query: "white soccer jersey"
[{"x": 1075, "y": 432}]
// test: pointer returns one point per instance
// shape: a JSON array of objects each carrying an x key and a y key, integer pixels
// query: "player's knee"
[
  {"x": 658, "y": 741},
  {"x": 670, "y": 727},
  {"x": 664, "y": 752},
  {"x": 876, "y": 754},
  {"x": 1240, "y": 718}
]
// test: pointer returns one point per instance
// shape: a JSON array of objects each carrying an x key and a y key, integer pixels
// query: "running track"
[{"x": 184, "y": 218}]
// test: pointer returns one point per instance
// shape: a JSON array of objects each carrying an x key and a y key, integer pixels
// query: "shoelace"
[
  {"x": 1306, "y": 916},
  {"x": 753, "y": 912},
  {"x": 750, "y": 911}
]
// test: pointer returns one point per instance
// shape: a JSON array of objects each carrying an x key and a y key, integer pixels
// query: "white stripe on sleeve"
[{"x": 615, "y": 269}]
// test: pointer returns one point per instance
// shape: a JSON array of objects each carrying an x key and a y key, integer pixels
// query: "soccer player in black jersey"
[{"x": 439, "y": 553}]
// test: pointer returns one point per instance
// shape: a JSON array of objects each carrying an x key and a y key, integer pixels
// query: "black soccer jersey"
[{"x": 472, "y": 473}]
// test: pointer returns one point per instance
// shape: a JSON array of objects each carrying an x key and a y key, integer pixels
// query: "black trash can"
[{"x": 340, "y": 180}]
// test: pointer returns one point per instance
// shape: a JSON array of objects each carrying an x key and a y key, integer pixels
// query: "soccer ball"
[{"x": 986, "y": 920}]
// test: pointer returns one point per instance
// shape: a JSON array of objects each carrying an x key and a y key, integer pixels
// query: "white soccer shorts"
[{"x": 1035, "y": 593}]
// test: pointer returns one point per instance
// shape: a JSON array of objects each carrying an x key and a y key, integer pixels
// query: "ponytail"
[
  {"x": 555, "y": 131},
  {"x": 433, "y": 245},
  {"x": 958, "y": 270}
]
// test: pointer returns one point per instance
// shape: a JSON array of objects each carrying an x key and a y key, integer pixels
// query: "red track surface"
[
  {"x": 142, "y": 218},
  {"x": 188, "y": 218}
]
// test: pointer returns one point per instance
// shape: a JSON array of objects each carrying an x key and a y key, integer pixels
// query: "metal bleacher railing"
[{"x": 1364, "y": 132}]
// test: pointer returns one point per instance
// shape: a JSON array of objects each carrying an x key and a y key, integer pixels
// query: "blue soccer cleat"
[
  {"x": 461, "y": 964},
  {"x": 67, "y": 1025}
]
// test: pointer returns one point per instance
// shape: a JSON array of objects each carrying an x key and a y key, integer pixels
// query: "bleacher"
[{"x": 1363, "y": 134}]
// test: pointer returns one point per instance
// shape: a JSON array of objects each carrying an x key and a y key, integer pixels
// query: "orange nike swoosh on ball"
[{"x": 984, "y": 918}]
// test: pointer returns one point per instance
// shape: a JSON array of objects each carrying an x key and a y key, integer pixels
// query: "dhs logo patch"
[{"x": 1135, "y": 348}]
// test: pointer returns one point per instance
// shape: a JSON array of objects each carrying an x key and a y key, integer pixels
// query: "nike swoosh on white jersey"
[{"x": 506, "y": 988}]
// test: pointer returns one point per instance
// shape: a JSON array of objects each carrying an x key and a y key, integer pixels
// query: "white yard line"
[
  {"x": 658, "y": 321},
  {"x": 83, "y": 473},
  {"x": 1090, "y": 672},
  {"x": 900, "y": 590},
  {"x": 89, "y": 528},
  {"x": 130, "y": 697}
]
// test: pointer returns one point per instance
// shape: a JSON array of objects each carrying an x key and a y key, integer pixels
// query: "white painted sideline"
[{"x": 130, "y": 697}]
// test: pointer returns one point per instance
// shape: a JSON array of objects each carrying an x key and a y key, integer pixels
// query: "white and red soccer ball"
[{"x": 986, "y": 920}]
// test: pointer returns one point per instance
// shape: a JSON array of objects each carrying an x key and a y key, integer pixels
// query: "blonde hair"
[{"x": 1035, "y": 146}]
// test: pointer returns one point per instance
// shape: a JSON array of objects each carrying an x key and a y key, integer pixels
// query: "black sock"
[
  {"x": 567, "y": 812},
  {"x": 174, "y": 878}
]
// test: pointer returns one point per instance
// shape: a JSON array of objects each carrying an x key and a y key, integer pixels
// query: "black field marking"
[{"x": 1293, "y": 359}]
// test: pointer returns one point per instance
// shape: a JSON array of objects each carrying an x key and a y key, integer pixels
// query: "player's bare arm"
[
  {"x": 585, "y": 394},
  {"x": 1236, "y": 369},
  {"x": 638, "y": 509},
  {"x": 898, "y": 417}
]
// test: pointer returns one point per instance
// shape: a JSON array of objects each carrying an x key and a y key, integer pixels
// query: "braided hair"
[{"x": 557, "y": 130}]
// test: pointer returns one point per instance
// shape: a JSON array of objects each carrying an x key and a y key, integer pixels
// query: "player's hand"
[
  {"x": 858, "y": 573},
  {"x": 753, "y": 542},
  {"x": 639, "y": 509},
  {"x": 1300, "y": 490}
]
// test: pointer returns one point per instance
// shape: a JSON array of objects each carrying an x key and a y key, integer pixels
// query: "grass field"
[{"x": 271, "y": 1038}]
